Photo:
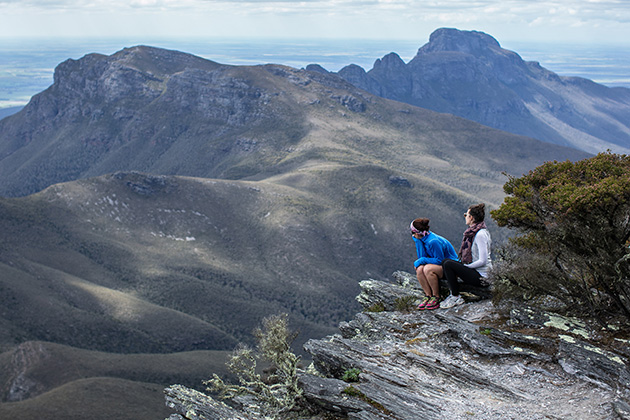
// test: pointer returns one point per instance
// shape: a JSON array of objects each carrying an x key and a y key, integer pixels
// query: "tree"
[{"x": 578, "y": 214}]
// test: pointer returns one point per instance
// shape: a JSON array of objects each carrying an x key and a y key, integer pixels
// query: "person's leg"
[
  {"x": 454, "y": 269},
  {"x": 425, "y": 287},
  {"x": 469, "y": 275},
  {"x": 450, "y": 273},
  {"x": 423, "y": 280},
  {"x": 433, "y": 273}
]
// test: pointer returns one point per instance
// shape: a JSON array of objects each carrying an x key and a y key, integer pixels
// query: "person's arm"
[
  {"x": 434, "y": 253},
  {"x": 482, "y": 246},
  {"x": 419, "y": 250}
]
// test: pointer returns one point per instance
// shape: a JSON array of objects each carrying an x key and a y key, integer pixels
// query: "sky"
[{"x": 579, "y": 21}]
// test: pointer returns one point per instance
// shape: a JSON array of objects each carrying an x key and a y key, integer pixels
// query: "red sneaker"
[
  {"x": 423, "y": 304},
  {"x": 433, "y": 303}
]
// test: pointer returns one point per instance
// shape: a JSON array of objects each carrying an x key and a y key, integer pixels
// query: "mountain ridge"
[
  {"x": 467, "y": 73},
  {"x": 123, "y": 112}
]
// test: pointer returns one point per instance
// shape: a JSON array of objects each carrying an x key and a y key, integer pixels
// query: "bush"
[
  {"x": 520, "y": 273},
  {"x": 277, "y": 393},
  {"x": 575, "y": 219}
]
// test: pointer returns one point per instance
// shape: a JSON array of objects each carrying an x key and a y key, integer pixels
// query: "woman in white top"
[{"x": 474, "y": 254}]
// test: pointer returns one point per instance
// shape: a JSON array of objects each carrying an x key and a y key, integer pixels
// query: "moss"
[{"x": 354, "y": 392}]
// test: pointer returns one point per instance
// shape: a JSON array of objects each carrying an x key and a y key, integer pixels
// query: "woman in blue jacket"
[{"x": 432, "y": 250}]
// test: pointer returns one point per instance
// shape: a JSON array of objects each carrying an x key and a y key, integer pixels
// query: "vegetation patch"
[
  {"x": 351, "y": 375},
  {"x": 404, "y": 303},
  {"x": 377, "y": 307},
  {"x": 574, "y": 234},
  {"x": 279, "y": 391},
  {"x": 354, "y": 392}
]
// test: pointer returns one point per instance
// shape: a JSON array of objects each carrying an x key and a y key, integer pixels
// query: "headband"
[{"x": 417, "y": 232}]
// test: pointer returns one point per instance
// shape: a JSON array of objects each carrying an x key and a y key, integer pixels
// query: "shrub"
[
  {"x": 521, "y": 273},
  {"x": 377, "y": 307},
  {"x": 277, "y": 393},
  {"x": 575, "y": 219},
  {"x": 351, "y": 375}
]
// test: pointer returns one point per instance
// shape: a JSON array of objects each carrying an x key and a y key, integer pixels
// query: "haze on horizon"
[{"x": 580, "y": 21}]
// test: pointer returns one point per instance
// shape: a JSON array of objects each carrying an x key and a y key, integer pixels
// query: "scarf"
[{"x": 465, "y": 251}]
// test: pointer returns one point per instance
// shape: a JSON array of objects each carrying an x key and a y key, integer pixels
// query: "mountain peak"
[
  {"x": 151, "y": 60},
  {"x": 468, "y": 74},
  {"x": 455, "y": 40}
]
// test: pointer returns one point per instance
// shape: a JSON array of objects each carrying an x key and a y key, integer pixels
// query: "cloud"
[{"x": 356, "y": 18}]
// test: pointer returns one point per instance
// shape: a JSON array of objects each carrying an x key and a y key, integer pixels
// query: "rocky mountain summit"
[
  {"x": 477, "y": 360},
  {"x": 467, "y": 73}
]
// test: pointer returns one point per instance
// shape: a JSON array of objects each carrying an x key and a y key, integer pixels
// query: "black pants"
[{"x": 454, "y": 269}]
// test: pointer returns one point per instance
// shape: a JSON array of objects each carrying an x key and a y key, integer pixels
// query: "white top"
[{"x": 481, "y": 260}]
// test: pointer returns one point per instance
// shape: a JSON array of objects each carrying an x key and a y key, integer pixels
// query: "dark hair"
[
  {"x": 478, "y": 212},
  {"x": 421, "y": 224}
]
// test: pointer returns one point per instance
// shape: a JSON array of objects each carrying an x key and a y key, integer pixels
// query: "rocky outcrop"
[
  {"x": 194, "y": 405},
  {"x": 461, "y": 363},
  {"x": 19, "y": 384},
  {"x": 468, "y": 74}
]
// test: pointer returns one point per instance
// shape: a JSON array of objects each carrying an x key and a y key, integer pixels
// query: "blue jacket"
[{"x": 433, "y": 249}]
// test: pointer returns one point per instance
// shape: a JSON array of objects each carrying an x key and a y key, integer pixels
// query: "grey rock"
[
  {"x": 328, "y": 393},
  {"x": 406, "y": 279},
  {"x": 194, "y": 405},
  {"x": 317, "y": 68},
  {"x": 594, "y": 364},
  {"x": 393, "y": 76},
  {"x": 492, "y": 342},
  {"x": 374, "y": 293},
  {"x": 442, "y": 365},
  {"x": 400, "y": 181},
  {"x": 358, "y": 77},
  {"x": 353, "y": 103},
  {"x": 530, "y": 317},
  {"x": 622, "y": 409}
]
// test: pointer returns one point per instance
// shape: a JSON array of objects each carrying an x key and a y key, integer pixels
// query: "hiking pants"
[{"x": 454, "y": 269}]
